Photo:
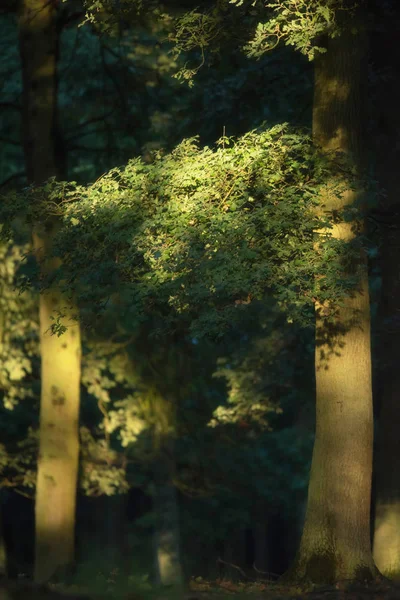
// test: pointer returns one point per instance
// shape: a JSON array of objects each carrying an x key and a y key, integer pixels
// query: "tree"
[
  {"x": 60, "y": 356},
  {"x": 335, "y": 543},
  {"x": 240, "y": 228},
  {"x": 162, "y": 381},
  {"x": 386, "y": 540}
]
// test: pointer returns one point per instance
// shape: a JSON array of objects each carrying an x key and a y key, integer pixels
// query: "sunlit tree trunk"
[
  {"x": 335, "y": 543},
  {"x": 386, "y": 546},
  {"x": 60, "y": 356}
]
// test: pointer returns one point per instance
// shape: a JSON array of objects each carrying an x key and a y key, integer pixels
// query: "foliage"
[
  {"x": 112, "y": 96},
  {"x": 102, "y": 471},
  {"x": 204, "y": 233},
  {"x": 299, "y": 23},
  {"x": 17, "y": 463},
  {"x": 261, "y": 371},
  {"x": 18, "y": 329},
  {"x": 117, "y": 98},
  {"x": 11, "y": 154},
  {"x": 261, "y": 25},
  {"x": 106, "y": 15},
  {"x": 199, "y": 242}
]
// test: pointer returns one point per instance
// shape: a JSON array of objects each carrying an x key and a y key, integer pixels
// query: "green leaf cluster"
[
  {"x": 18, "y": 329},
  {"x": 298, "y": 23},
  {"x": 199, "y": 234}
]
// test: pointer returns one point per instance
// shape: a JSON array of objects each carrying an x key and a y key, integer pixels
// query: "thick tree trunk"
[
  {"x": 60, "y": 367},
  {"x": 335, "y": 544},
  {"x": 386, "y": 546}
]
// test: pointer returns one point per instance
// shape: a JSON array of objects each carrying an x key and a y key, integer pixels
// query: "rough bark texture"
[
  {"x": 60, "y": 366},
  {"x": 386, "y": 546},
  {"x": 335, "y": 544}
]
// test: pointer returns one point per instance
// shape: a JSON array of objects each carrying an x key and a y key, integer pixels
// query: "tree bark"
[
  {"x": 60, "y": 365},
  {"x": 386, "y": 545},
  {"x": 166, "y": 540},
  {"x": 335, "y": 543},
  {"x": 163, "y": 372}
]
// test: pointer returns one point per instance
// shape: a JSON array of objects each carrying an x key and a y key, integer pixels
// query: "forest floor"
[
  {"x": 267, "y": 590},
  {"x": 200, "y": 589},
  {"x": 222, "y": 589}
]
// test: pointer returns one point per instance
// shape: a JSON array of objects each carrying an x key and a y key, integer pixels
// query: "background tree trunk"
[
  {"x": 60, "y": 366},
  {"x": 335, "y": 544},
  {"x": 168, "y": 566},
  {"x": 386, "y": 545}
]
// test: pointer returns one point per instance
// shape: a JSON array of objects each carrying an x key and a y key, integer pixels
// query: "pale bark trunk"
[
  {"x": 163, "y": 376},
  {"x": 58, "y": 445},
  {"x": 335, "y": 544},
  {"x": 166, "y": 540},
  {"x": 60, "y": 366},
  {"x": 386, "y": 546}
]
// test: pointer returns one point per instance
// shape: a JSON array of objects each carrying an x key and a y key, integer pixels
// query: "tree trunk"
[
  {"x": 386, "y": 546},
  {"x": 60, "y": 366},
  {"x": 335, "y": 543},
  {"x": 162, "y": 373},
  {"x": 168, "y": 566}
]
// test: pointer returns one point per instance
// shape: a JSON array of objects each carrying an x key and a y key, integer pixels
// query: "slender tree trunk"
[
  {"x": 335, "y": 544},
  {"x": 60, "y": 366},
  {"x": 163, "y": 372},
  {"x": 168, "y": 566},
  {"x": 386, "y": 546}
]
